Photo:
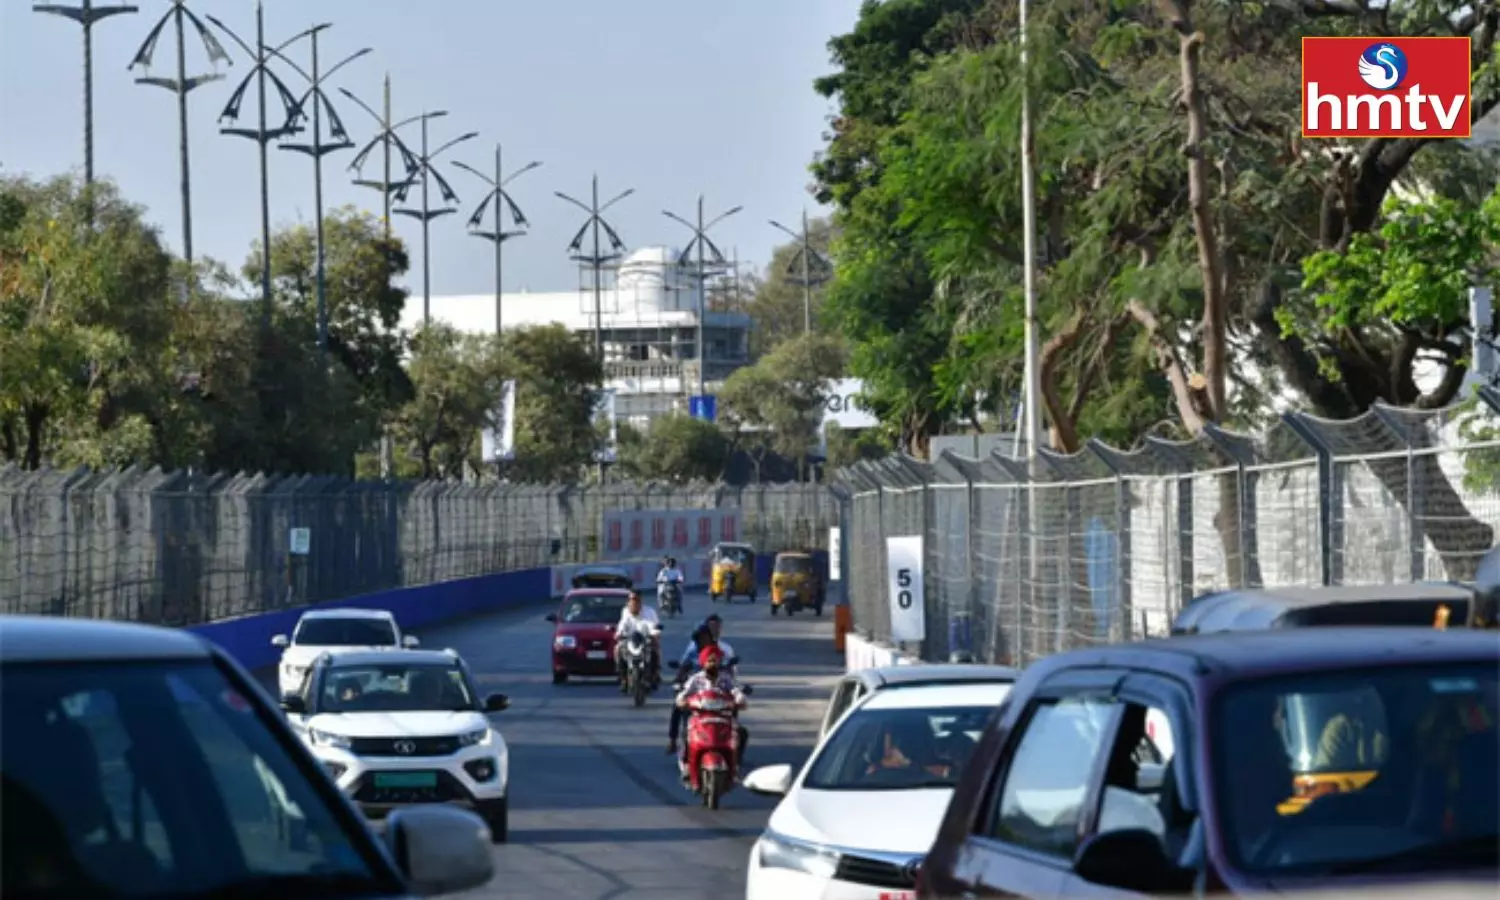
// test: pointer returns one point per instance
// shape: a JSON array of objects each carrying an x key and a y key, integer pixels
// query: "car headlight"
[
  {"x": 479, "y": 736},
  {"x": 565, "y": 642},
  {"x": 777, "y": 852},
  {"x": 325, "y": 739}
]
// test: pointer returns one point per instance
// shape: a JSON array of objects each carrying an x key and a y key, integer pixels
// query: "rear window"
[
  {"x": 794, "y": 565},
  {"x": 1421, "y": 613},
  {"x": 345, "y": 633}
]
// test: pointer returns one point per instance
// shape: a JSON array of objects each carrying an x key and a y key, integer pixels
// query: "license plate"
[
  {"x": 898, "y": 895},
  {"x": 790, "y": 595},
  {"x": 598, "y": 654},
  {"x": 405, "y": 779}
]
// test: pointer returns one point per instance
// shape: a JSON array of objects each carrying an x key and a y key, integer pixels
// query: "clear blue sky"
[{"x": 671, "y": 97}]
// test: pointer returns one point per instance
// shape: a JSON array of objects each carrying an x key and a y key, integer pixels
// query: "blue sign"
[{"x": 704, "y": 407}]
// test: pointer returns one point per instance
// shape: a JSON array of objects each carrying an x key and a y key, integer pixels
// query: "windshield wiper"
[
  {"x": 1481, "y": 850},
  {"x": 292, "y": 887}
]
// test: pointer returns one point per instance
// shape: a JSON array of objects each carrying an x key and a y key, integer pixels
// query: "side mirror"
[
  {"x": 773, "y": 781},
  {"x": 409, "y": 640},
  {"x": 280, "y": 640},
  {"x": 440, "y": 849},
  {"x": 293, "y": 704},
  {"x": 673, "y": 664},
  {"x": 496, "y": 703},
  {"x": 1130, "y": 860},
  {"x": 551, "y": 617}
]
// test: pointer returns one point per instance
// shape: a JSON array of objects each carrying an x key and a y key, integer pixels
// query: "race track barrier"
[{"x": 861, "y": 653}]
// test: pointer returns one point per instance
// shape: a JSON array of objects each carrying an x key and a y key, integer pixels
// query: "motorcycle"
[
  {"x": 638, "y": 667},
  {"x": 671, "y": 599},
  {"x": 711, "y": 764}
]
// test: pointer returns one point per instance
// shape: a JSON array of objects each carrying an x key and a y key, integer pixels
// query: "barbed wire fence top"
[
  {"x": 1124, "y": 538},
  {"x": 181, "y": 548}
]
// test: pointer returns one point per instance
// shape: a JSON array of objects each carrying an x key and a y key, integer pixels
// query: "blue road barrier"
[{"x": 248, "y": 639}]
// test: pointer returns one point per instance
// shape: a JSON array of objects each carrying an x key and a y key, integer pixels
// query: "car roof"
[
  {"x": 1259, "y": 608},
  {"x": 932, "y": 695},
  {"x": 339, "y": 659},
  {"x": 31, "y": 639},
  {"x": 600, "y": 569},
  {"x": 739, "y": 544},
  {"x": 622, "y": 593},
  {"x": 882, "y": 678},
  {"x": 349, "y": 612},
  {"x": 1232, "y": 655},
  {"x": 794, "y": 553}
]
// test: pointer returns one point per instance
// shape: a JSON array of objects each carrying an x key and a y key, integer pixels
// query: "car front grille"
[
  {"x": 874, "y": 872},
  {"x": 447, "y": 790},
  {"x": 423, "y": 746}
]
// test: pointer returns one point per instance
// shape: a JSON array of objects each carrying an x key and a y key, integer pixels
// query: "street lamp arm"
[
  {"x": 475, "y": 172},
  {"x": 522, "y": 171},
  {"x": 583, "y": 206},
  {"x": 364, "y": 106},
  {"x": 458, "y": 140},
  {"x": 679, "y": 219},
  {"x": 309, "y": 32},
  {"x": 722, "y": 217},
  {"x": 790, "y": 232},
  {"x": 435, "y": 114},
  {"x": 346, "y": 61},
  {"x": 232, "y": 36},
  {"x": 276, "y": 51},
  {"x": 618, "y": 197}
]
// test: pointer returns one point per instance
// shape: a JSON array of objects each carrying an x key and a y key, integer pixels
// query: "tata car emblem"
[
  {"x": 406, "y": 748},
  {"x": 909, "y": 871}
]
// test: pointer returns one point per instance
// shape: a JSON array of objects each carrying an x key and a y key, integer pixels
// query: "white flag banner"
[
  {"x": 498, "y": 443},
  {"x": 605, "y": 412}
]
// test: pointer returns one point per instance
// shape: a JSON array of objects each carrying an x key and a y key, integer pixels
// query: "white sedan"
[
  {"x": 321, "y": 630},
  {"x": 855, "y": 823}
]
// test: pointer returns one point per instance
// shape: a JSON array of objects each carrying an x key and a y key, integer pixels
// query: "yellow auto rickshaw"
[
  {"x": 796, "y": 584},
  {"x": 733, "y": 572}
]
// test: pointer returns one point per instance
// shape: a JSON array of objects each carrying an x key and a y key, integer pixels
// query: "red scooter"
[{"x": 712, "y": 760}]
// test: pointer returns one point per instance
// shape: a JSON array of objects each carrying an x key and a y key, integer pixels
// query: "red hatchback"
[{"x": 583, "y": 643}]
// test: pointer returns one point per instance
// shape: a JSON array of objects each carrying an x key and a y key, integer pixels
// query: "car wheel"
[
  {"x": 496, "y": 814},
  {"x": 559, "y": 677}
]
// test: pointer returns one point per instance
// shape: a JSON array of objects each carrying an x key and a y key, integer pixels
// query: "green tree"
[
  {"x": 780, "y": 398},
  {"x": 456, "y": 387},
  {"x": 847, "y": 446},
  {"x": 557, "y": 380},
  {"x": 85, "y": 321},
  {"x": 676, "y": 449}
]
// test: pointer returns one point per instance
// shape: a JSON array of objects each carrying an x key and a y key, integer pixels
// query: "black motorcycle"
[
  {"x": 638, "y": 674},
  {"x": 671, "y": 599}
]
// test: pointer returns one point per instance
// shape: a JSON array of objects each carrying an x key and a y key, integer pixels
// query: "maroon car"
[
  {"x": 583, "y": 642},
  {"x": 1173, "y": 766}
]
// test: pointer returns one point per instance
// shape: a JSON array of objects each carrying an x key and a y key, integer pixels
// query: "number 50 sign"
[{"x": 903, "y": 558}]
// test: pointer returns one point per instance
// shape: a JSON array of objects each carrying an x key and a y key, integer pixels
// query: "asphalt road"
[{"x": 597, "y": 810}]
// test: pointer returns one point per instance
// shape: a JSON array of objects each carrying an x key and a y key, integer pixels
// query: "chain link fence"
[
  {"x": 180, "y": 548},
  {"x": 1107, "y": 545}
]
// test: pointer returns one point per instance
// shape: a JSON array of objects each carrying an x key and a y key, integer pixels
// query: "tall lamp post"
[
  {"x": 182, "y": 85},
  {"x": 262, "y": 134},
  {"x": 426, "y": 214},
  {"x": 317, "y": 150},
  {"x": 86, "y": 15},
  {"x": 501, "y": 200},
  {"x": 701, "y": 241},
  {"x": 802, "y": 261},
  {"x": 597, "y": 259},
  {"x": 387, "y": 139}
]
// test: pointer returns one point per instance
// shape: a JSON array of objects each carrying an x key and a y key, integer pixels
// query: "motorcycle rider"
[
  {"x": 712, "y": 675},
  {"x": 702, "y": 637},
  {"x": 636, "y": 618},
  {"x": 669, "y": 574},
  {"x": 715, "y": 626}
]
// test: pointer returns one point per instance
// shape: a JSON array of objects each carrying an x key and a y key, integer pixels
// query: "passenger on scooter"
[
  {"x": 669, "y": 574},
  {"x": 714, "y": 625},
  {"x": 702, "y": 637},
  {"x": 636, "y": 618},
  {"x": 712, "y": 675}
]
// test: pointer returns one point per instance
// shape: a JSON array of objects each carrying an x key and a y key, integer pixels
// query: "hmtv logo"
[{"x": 1372, "y": 87}]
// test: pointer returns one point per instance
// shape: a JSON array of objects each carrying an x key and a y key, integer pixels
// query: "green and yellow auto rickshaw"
[
  {"x": 733, "y": 572},
  {"x": 796, "y": 584}
]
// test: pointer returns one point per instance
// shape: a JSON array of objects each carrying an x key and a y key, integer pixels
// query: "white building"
[{"x": 648, "y": 321}]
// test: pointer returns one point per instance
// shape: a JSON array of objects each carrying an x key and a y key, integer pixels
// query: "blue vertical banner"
[
  {"x": 1103, "y": 573},
  {"x": 705, "y": 407}
]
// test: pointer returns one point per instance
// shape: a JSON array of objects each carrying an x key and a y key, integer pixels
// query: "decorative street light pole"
[
  {"x": 180, "y": 15},
  {"x": 261, "y": 134},
  {"x": 426, "y": 214},
  {"x": 386, "y": 138},
  {"x": 701, "y": 241},
  {"x": 597, "y": 259},
  {"x": 317, "y": 150},
  {"x": 501, "y": 199},
  {"x": 802, "y": 262},
  {"x": 86, "y": 15}
]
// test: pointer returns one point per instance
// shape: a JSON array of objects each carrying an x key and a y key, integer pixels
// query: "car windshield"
[
  {"x": 594, "y": 610},
  {"x": 345, "y": 633},
  {"x": 400, "y": 687},
  {"x": 898, "y": 749},
  {"x": 160, "y": 779},
  {"x": 1328, "y": 772},
  {"x": 793, "y": 565}
]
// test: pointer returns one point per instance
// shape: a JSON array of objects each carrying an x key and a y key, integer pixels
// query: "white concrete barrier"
[{"x": 860, "y": 654}]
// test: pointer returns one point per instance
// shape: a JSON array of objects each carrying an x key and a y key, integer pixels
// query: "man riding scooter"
[
  {"x": 711, "y": 675},
  {"x": 638, "y": 619},
  {"x": 669, "y": 575},
  {"x": 714, "y": 625},
  {"x": 702, "y": 638}
]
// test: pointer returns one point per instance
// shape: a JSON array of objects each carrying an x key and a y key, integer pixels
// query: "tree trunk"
[{"x": 36, "y": 425}]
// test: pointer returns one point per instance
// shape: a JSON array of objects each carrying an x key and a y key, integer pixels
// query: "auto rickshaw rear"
[
  {"x": 795, "y": 584},
  {"x": 733, "y": 572}
]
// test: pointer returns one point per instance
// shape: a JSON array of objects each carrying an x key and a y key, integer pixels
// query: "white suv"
[
  {"x": 328, "y": 629},
  {"x": 401, "y": 727}
]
